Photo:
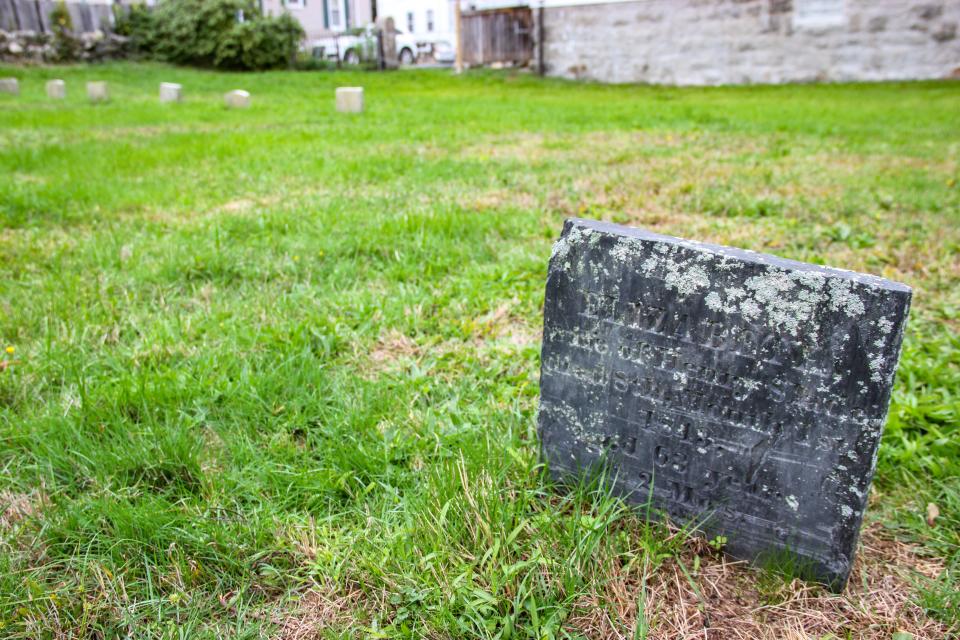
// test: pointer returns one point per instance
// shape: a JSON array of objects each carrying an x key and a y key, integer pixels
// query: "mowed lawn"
[{"x": 274, "y": 372}]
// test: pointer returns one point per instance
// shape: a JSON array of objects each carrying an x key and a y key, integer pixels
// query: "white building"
[
  {"x": 426, "y": 20},
  {"x": 322, "y": 18}
]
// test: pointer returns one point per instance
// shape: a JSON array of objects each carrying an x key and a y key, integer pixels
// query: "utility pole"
[
  {"x": 458, "y": 65},
  {"x": 541, "y": 65}
]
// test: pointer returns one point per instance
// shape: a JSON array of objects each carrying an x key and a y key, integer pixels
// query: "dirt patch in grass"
[
  {"x": 701, "y": 149},
  {"x": 602, "y": 147},
  {"x": 141, "y": 133},
  {"x": 391, "y": 347},
  {"x": 725, "y": 600},
  {"x": 243, "y": 205},
  {"x": 16, "y": 507},
  {"x": 326, "y": 608},
  {"x": 501, "y": 198},
  {"x": 499, "y": 327},
  {"x": 238, "y": 206},
  {"x": 501, "y": 324}
]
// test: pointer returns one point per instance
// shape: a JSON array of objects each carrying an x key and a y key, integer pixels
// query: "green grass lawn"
[{"x": 275, "y": 371}]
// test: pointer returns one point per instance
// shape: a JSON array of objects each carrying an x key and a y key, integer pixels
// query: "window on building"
[
  {"x": 335, "y": 9},
  {"x": 410, "y": 21},
  {"x": 819, "y": 13},
  {"x": 295, "y": 4},
  {"x": 429, "y": 19}
]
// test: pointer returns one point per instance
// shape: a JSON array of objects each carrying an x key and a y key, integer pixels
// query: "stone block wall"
[
  {"x": 31, "y": 47},
  {"x": 710, "y": 42}
]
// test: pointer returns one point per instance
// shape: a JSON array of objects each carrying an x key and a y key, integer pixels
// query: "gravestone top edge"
[{"x": 744, "y": 255}]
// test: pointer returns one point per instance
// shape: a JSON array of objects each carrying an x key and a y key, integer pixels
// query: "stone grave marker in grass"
[
  {"x": 170, "y": 92},
  {"x": 56, "y": 89},
  {"x": 741, "y": 393},
  {"x": 237, "y": 99},
  {"x": 349, "y": 99},
  {"x": 10, "y": 85},
  {"x": 98, "y": 91}
]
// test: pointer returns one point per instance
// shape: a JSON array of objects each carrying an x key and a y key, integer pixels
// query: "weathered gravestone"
[
  {"x": 10, "y": 85},
  {"x": 170, "y": 92},
  {"x": 237, "y": 99},
  {"x": 98, "y": 91},
  {"x": 743, "y": 392},
  {"x": 349, "y": 99},
  {"x": 56, "y": 89}
]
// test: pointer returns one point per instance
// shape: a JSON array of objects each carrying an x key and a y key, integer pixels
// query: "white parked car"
[
  {"x": 444, "y": 52},
  {"x": 407, "y": 50},
  {"x": 361, "y": 45}
]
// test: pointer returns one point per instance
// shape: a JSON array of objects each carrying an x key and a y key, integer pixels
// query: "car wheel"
[
  {"x": 406, "y": 56},
  {"x": 351, "y": 57}
]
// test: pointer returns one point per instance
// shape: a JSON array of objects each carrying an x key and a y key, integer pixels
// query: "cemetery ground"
[{"x": 274, "y": 371}]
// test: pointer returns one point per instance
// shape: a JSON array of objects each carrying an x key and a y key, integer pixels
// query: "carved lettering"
[{"x": 741, "y": 392}]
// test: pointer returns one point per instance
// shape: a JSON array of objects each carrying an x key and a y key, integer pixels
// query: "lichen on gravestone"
[{"x": 743, "y": 392}]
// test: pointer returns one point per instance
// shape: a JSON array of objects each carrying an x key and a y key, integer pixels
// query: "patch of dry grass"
[
  {"x": 391, "y": 347},
  {"x": 326, "y": 607},
  {"x": 724, "y": 600},
  {"x": 498, "y": 327},
  {"x": 15, "y": 507}
]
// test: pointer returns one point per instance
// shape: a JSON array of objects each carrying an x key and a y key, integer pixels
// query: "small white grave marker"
[
  {"x": 350, "y": 99},
  {"x": 170, "y": 92},
  {"x": 237, "y": 99},
  {"x": 98, "y": 91},
  {"x": 10, "y": 85},
  {"x": 56, "y": 89}
]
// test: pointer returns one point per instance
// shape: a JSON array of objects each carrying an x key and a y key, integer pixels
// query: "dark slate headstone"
[{"x": 745, "y": 393}]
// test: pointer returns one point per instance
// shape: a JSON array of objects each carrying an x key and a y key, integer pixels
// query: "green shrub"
[
  {"x": 137, "y": 23},
  {"x": 265, "y": 43},
  {"x": 308, "y": 62},
  {"x": 210, "y": 33},
  {"x": 65, "y": 45}
]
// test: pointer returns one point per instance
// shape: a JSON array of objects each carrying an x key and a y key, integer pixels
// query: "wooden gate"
[{"x": 497, "y": 35}]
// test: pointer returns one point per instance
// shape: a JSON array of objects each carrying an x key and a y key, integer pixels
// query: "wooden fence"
[
  {"x": 497, "y": 35},
  {"x": 34, "y": 15}
]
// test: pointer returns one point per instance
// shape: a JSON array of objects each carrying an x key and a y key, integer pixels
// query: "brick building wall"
[{"x": 707, "y": 42}]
